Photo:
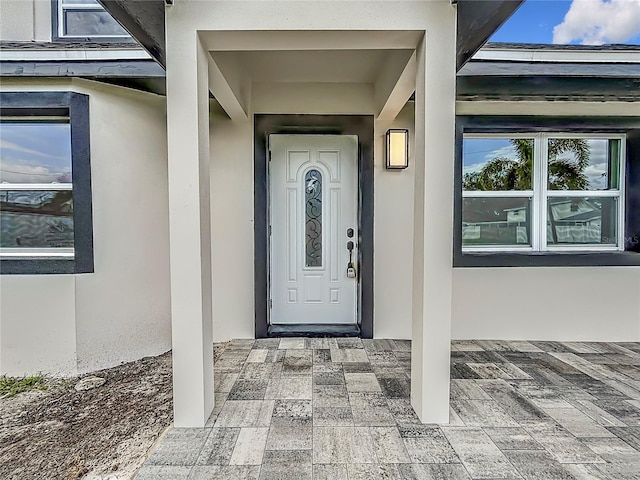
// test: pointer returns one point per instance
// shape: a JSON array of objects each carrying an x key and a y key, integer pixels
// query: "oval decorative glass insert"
[{"x": 313, "y": 218}]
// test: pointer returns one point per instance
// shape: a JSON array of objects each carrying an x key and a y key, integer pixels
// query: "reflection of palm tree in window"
[
  {"x": 504, "y": 174},
  {"x": 567, "y": 160}
]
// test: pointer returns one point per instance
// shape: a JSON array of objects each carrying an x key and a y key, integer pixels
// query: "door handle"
[{"x": 351, "y": 269}]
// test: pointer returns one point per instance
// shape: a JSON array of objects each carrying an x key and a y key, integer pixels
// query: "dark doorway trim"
[{"x": 362, "y": 127}]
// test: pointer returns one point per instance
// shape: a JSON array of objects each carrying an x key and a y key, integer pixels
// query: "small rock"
[{"x": 88, "y": 383}]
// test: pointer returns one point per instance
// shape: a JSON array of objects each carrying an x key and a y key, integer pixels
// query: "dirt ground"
[{"x": 103, "y": 433}]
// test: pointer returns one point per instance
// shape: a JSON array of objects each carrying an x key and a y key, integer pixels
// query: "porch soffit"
[{"x": 376, "y": 61}]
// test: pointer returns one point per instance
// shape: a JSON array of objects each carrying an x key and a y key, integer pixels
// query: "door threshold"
[{"x": 314, "y": 330}]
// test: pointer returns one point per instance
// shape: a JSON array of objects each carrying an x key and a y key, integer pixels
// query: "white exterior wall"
[
  {"x": 25, "y": 20},
  {"x": 488, "y": 303},
  {"x": 538, "y": 303},
  {"x": 37, "y": 325},
  {"x": 576, "y": 304},
  {"x": 393, "y": 239},
  {"x": 123, "y": 309},
  {"x": 69, "y": 324},
  {"x": 547, "y": 303},
  {"x": 232, "y": 236}
]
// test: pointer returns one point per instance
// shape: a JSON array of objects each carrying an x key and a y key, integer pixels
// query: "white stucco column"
[
  {"x": 189, "y": 222},
  {"x": 433, "y": 224}
]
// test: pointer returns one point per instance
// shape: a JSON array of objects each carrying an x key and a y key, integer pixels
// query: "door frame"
[{"x": 359, "y": 125}]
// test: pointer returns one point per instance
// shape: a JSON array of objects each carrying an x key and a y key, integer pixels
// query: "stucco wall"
[
  {"x": 123, "y": 310},
  {"x": 232, "y": 230},
  {"x": 69, "y": 324},
  {"x": 231, "y": 227},
  {"x": 393, "y": 239},
  {"x": 590, "y": 304},
  {"x": 25, "y": 20},
  {"x": 37, "y": 324},
  {"x": 491, "y": 303}
]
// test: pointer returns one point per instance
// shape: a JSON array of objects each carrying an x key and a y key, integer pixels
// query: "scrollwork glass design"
[{"x": 313, "y": 218}]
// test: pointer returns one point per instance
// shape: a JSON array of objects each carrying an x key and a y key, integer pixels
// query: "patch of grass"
[{"x": 11, "y": 386}]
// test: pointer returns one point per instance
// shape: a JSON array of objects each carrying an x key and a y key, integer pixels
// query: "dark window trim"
[
  {"x": 55, "y": 35},
  {"x": 76, "y": 106},
  {"x": 362, "y": 127},
  {"x": 630, "y": 126}
]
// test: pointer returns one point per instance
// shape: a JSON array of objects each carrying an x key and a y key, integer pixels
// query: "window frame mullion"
[{"x": 537, "y": 203}]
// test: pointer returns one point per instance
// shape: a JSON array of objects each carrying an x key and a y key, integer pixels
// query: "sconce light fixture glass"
[{"x": 397, "y": 152}]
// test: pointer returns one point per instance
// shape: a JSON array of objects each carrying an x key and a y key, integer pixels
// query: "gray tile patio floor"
[{"x": 339, "y": 409}]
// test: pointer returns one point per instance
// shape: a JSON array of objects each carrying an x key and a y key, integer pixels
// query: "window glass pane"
[
  {"x": 583, "y": 164},
  {"x": 496, "y": 221},
  {"x": 35, "y": 152},
  {"x": 313, "y": 218},
  {"x": 582, "y": 220},
  {"x": 91, "y": 23},
  {"x": 497, "y": 164},
  {"x": 36, "y": 219},
  {"x": 80, "y": 2}
]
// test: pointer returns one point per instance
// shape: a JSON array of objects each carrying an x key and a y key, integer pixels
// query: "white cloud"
[
  {"x": 597, "y": 176},
  {"x": 505, "y": 152},
  {"x": 21, "y": 173},
  {"x": 475, "y": 168},
  {"x": 596, "y": 22}
]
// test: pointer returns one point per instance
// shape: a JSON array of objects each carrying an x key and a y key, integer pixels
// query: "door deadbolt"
[
  {"x": 350, "y": 232},
  {"x": 351, "y": 271}
]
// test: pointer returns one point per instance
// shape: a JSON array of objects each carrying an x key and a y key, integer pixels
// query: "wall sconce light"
[{"x": 397, "y": 152}]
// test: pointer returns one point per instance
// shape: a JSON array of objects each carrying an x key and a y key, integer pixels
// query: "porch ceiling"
[
  {"x": 381, "y": 62},
  {"x": 318, "y": 66}
]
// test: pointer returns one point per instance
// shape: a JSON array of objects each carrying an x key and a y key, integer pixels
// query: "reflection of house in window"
[
  {"x": 496, "y": 221},
  {"x": 580, "y": 220},
  {"x": 36, "y": 219}
]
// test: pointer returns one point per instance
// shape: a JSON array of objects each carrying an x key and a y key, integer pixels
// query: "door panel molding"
[{"x": 362, "y": 127}]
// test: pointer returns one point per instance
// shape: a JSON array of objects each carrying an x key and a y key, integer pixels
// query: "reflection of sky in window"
[
  {"x": 92, "y": 23},
  {"x": 35, "y": 152},
  {"x": 597, "y": 168},
  {"x": 476, "y": 152}
]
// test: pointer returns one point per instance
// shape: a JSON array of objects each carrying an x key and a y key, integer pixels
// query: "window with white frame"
[
  {"x": 86, "y": 18},
  {"x": 542, "y": 192},
  {"x": 36, "y": 189}
]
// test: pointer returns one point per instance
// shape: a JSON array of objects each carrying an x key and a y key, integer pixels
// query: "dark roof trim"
[
  {"x": 144, "y": 20},
  {"x": 547, "y": 46},
  {"x": 569, "y": 69},
  {"x": 548, "y": 88},
  {"x": 115, "y": 68},
  {"x": 144, "y": 75},
  {"x": 477, "y": 20},
  {"x": 71, "y": 45}
]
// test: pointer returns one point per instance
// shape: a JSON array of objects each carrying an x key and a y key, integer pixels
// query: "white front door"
[{"x": 314, "y": 204}]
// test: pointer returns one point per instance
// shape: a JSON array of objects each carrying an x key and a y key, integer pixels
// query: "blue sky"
[
  {"x": 35, "y": 152},
  {"x": 590, "y": 22}
]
